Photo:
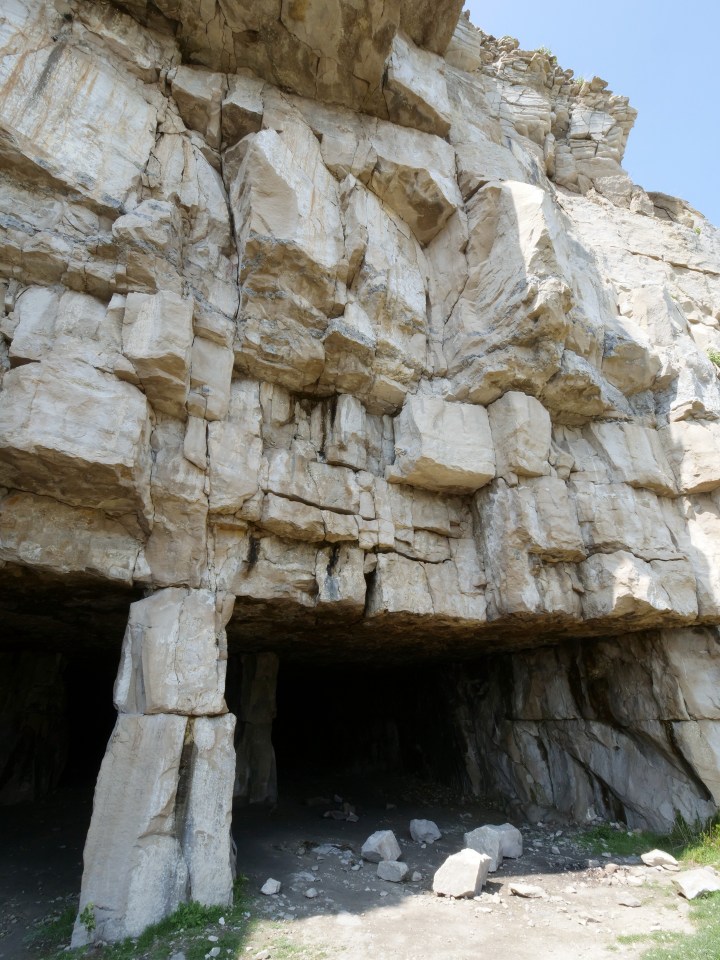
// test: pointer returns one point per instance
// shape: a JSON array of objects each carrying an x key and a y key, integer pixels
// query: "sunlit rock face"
[{"x": 347, "y": 313}]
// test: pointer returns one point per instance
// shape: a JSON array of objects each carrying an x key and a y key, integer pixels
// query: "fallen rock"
[
  {"x": 311, "y": 893},
  {"x": 485, "y": 840},
  {"x": 625, "y": 900},
  {"x": 658, "y": 858},
  {"x": 392, "y": 870},
  {"x": 511, "y": 841},
  {"x": 381, "y": 845},
  {"x": 694, "y": 883},
  {"x": 424, "y": 831},
  {"x": 462, "y": 875},
  {"x": 271, "y": 887},
  {"x": 527, "y": 890}
]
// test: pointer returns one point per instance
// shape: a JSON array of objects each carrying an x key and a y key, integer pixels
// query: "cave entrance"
[
  {"x": 56, "y": 716},
  {"x": 361, "y": 730}
]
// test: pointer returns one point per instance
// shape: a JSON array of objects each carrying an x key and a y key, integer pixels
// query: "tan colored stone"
[
  {"x": 442, "y": 446},
  {"x": 521, "y": 432},
  {"x": 157, "y": 338},
  {"x": 135, "y": 873},
  {"x": 235, "y": 450},
  {"x": 71, "y": 432},
  {"x": 44, "y": 534},
  {"x": 198, "y": 94},
  {"x": 174, "y": 655},
  {"x": 693, "y": 449},
  {"x": 210, "y": 374},
  {"x": 415, "y": 90},
  {"x": 56, "y": 97}
]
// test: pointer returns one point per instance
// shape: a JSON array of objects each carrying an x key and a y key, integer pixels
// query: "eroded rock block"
[
  {"x": 61, "y": 98},
  {"x": 157, "y": 338},
  {"x": 135, "y": 873},
  {"x": 693, "y": 449},
  {"x": 521, "y": 432},
  {"x": 486, "y": 841},
  {"x": 380, "y": 846},
  {"x": 71, "y": 432},
  {"x": 146, "y": 851},
  {"x": 462, "y": 875},
  {"x": 207, "y": 843},
  {"x": 415, "y": 89},
  {"x": 442, "y": 446},
  {"x": 198, "y": 94},
  {"x": 174, "y": 655}
]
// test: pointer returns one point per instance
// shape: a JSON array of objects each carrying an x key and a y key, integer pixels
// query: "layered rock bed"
[{"x": 345, "y": 336}]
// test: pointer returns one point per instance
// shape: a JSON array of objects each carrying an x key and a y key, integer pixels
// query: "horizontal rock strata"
[{"x": 341, "y": 328}]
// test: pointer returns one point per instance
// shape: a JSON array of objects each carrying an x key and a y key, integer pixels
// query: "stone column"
[
  {"x": 256, "y": 773},
  {"x": 160, "y": 828}
]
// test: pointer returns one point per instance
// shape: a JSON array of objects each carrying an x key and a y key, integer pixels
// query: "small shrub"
[
  {"x": 714, "y": 355},
  {"x": 87, "y": 917}
]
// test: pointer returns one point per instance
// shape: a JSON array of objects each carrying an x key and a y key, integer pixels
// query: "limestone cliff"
[{"x": 347, "y": 314}]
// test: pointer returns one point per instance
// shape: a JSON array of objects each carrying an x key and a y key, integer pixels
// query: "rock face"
[
  {"x": 349, "y": 315},
  {"x": 160, "y": 829}
]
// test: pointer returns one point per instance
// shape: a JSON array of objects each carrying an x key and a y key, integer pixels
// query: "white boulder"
[
  {"x": 424, "y": 831},
  {"x": 392, "y": 870},
  {"x": 381, "y": 845},
  {"x": 462, "y": 875}
]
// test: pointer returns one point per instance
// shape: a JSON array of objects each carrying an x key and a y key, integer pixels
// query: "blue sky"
[{"x": 663, "y": 55}]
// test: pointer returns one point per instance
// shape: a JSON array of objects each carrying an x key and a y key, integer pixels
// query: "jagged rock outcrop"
[{"x": 349, "y": 314}]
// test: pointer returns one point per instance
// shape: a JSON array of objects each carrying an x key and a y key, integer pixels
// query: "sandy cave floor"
[{"x": 355, "y": 915}]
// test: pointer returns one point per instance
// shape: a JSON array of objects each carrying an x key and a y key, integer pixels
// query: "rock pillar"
[
  {"x": 160, "y": 828},
  {"x": 256, "y": 774}
]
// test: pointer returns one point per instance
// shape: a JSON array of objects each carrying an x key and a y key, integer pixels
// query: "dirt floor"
[{"x": 586, "y": 903}]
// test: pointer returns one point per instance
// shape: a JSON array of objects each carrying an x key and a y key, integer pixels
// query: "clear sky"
[{"x": 662, "y": 54}]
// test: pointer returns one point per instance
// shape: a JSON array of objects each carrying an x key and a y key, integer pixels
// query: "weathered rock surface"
[
  {"x": 694, "y": 883},
  {"x": 565, "y": 728},
  {"x": 486, "y": 841},
  {"x": 462, "y": 875},
  {"x": 424, "y": 831},
  {"x": 381, "y": 845},
  {"x": 392, "y": 870},
  {"x": 350, "y": 313}
]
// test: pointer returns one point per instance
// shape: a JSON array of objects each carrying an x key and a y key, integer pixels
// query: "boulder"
[
  {"x": 658, "y": 858},
  {"x": 462, "y": 875},
  {"x": 694, "y": 883},
  {"x": 392, "y": 870},
  {"x": 381, "y": 845},
  {"x": 424, "y": 831},
  {"x": 488, "y": 841},
  {"x": 511, "y": 840}
]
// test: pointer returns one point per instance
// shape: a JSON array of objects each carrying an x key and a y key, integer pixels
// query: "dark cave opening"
[
  {"x": 56, "y": 716},
  {"x": 362, "y": 727}
]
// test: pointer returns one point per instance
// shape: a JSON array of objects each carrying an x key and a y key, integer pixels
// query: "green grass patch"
[
  {"x": 703, "y": 944},
  {"x": 699, "y": 844},
  {"x": 187, "y": 929},
  {"x": 52, "y": 935},
  {"x": 284, "y": 949},
  {"x": 620, "y": 842},
  {"x": 714, "y": 355}
]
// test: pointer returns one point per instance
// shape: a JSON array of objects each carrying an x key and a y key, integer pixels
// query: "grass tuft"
[
  {"x": 698, "y": 844},
  {"x": 185, "y": 930},
  {"x": 703, "y": 944}
]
